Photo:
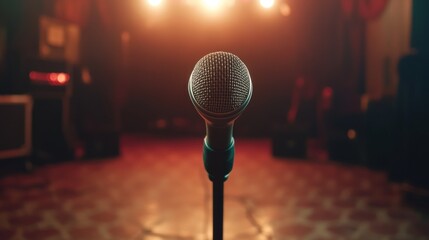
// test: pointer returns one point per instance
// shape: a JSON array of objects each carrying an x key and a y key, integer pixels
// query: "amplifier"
[{"x": 15, "y": 126}]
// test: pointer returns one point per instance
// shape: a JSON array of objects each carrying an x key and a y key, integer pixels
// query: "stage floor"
[{"x": 158, "y": 190}]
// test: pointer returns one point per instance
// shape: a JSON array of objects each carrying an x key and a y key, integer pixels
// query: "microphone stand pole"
[
  {"x": 218, "y": 209},
  {"x": 218, "y": 165}
]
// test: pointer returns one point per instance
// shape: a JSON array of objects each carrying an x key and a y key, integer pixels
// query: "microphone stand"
[
  {"x": 218, "y": 165},
  {"x": 218, "y": 209}
]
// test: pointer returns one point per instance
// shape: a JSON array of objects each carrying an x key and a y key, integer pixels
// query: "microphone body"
[{"x": 220, "y": 89}]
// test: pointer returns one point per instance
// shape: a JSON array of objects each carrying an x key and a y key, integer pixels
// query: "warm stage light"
[
  {"x": 154, "y": 3},
  {"x": 212, "y": 4},
  {"x": 62, "y": 78},
  {"x": 267, "y": 3}
]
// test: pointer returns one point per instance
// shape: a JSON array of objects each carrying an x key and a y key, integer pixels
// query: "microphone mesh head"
[{"x": 220, "y": 83}]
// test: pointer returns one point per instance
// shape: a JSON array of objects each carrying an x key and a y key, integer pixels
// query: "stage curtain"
[
  {"x": 366, "y": 9},
  {"x": 371, "y": 9},
  {"x": 356, "y": 13}
]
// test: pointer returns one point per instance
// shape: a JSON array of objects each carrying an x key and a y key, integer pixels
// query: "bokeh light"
[
  {"x": 212, "y": 4},
  {"x": 267, "y": 3},
  {"x": 154, "y": 3},
  {"x": 285, "y": 9}
]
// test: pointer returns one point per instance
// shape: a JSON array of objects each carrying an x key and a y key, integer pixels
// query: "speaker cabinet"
[
  {"x": 15, "y": 126},
  {"x": 52, "y": 140}
]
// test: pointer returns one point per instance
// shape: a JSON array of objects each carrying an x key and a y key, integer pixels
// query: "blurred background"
[{"x": 340, "y": 81}]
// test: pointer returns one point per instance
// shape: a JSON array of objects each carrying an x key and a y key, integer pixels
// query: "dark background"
[
  {"x": 139, "y": 60},
  {"x": 275, "y": 48}
]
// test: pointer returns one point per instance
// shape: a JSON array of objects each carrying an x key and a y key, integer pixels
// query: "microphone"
[{"x": 220, "y": 88}]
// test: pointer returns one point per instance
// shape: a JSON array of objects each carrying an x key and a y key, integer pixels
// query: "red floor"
[{"x": 158, "y": 190}]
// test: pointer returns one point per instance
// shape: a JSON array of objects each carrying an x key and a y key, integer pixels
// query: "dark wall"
[
  {"x": 10, "y": 25},
  {"x": 420, "y": 26},
  {"x": 164, "y": 47},
  {"x": 19, "y": 23}
]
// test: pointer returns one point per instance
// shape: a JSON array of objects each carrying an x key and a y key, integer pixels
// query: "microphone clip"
[{"x": 218, "y": 164}]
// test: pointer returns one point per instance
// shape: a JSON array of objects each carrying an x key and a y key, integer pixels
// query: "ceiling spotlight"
[
  {"x": 267, "y": 3},
  {"x": 212, "y": 4},
  {"x": 154, "y": 3}
]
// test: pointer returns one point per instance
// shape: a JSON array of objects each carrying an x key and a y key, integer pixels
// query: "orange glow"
[
  {"x": 52, "y": 78},
  {"x": 212, "y": 4},
  {"x": 267, "y": 3},
  {"x": 230, "y": 3},
  {"x": 285, "y": 9},
  {"x": 86, "y": 76},
  {"x": 154, "y": 3},
  {"x": 351, "y": 134},
  {"x": 62, "y": 78}
]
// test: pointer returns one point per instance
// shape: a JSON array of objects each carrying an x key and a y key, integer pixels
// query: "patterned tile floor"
[{"x": 158, "y": 190}]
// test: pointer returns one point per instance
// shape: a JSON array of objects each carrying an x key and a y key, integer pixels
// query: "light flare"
[
  {"x": 50, "y": 78},
  {"x": 212, "y": 4},
  {"x": 154, "y": 3},
  {"x": 267, "y": 3}
]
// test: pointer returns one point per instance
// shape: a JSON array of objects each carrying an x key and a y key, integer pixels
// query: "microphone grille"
[{"x": 220, "y": 83}]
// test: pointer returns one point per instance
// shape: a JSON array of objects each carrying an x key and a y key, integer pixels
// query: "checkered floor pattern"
[{"x": 158, "y": 190}]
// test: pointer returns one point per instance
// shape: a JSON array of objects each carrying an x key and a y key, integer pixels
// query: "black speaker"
[
  {"x": 15, "y": 126},
  {"x": 412, "y": 106},
  {"x": 52, "y": 140},
  {"x": 381, "y": 133}
]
